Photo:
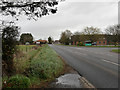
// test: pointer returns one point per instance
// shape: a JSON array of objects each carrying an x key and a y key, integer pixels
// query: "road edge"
[
  {"x": 83, "y": 80},
  {"x": 86, "y": 83}
]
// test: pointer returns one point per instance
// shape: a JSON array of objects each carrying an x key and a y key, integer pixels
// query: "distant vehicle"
[
  {"x": 94, "y": 43},
  {"x": 88, "y": 43}
]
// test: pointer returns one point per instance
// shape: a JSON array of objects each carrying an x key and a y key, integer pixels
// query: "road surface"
[{"x": 98, "y": 65}]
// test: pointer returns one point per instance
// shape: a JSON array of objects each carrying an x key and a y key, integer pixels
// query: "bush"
[
  {"x": 80, "y": 44},
  {"x": 9, "y": 38},
  {"x": 18, "y": 81}
]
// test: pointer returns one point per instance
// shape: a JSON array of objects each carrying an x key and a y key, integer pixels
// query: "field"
[
  {"x": 34, "y": 66},
  {"x": 25, "y": 48}
]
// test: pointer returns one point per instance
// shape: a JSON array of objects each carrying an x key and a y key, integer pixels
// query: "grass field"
[
  {"x": 116, "y": 50},
  {"x": 87, "y": 46},
  {"x": 34, "y": 67}
]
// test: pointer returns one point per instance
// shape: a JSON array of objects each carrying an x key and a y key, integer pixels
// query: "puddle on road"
[{"x": 67, "y": 81}]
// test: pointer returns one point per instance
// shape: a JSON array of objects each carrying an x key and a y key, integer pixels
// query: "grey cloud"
[{"x": 72, "y": 16}]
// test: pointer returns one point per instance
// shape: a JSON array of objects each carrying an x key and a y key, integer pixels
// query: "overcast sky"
[{"x": 73, "y": 15}]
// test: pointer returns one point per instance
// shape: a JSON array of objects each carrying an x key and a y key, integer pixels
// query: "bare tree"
[
  {"x": 77, "y": 33},
  {"x": 91, "y": 33},
  {"x": 113, "y": 33},
  {"x": 113, "y": 30}
]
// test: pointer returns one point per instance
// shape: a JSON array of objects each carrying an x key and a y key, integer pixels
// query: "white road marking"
[{"x": 110, "y": 62}]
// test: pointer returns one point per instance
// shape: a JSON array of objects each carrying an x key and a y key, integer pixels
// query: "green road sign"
[{"x": 88, "y": 44}]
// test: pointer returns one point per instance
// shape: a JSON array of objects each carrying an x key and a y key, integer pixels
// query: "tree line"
[{"x": 112, "y": 33}]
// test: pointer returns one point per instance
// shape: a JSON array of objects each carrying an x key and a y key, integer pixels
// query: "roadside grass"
[
  {"x": 21, "y": 63},
  {"x": 88, "y": 46},
  {"x": 116, "y": 50},
  {"x": 46, "y": 66},
  {"x": 25, "y": 48},
  {"x": 34, "y": 68},
  {"x": 22, "y": 59}
]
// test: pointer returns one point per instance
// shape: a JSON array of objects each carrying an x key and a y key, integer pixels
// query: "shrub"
[
  {"x": 80, "y": 44},
  {"x": 9, "y": 38},
  {"x": 18, "y": 81}
]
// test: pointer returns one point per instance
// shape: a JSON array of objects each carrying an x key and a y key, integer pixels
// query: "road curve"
[{"x": 98, "y": 65}]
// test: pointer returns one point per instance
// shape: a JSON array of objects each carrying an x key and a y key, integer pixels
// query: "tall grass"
[
  {"x": 25, "y": 48},
  {"x": 47, "y": 65},
  {"x": 23, "y": 59},
  {"x": 34, "y": 67}
]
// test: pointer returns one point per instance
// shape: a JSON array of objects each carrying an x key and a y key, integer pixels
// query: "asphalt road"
[{"x": 98, "y": 65}]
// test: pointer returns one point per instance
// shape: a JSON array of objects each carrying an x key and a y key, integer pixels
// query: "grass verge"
[
  {"x": 88, "y": 46},
  {"x": 116, "y": 50},
  {"x": 45, "y": 67},
  {"x": 35, "y": 68}
]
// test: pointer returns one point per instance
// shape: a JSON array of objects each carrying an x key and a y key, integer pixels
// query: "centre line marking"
[{"x": 110, "y": 62}]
